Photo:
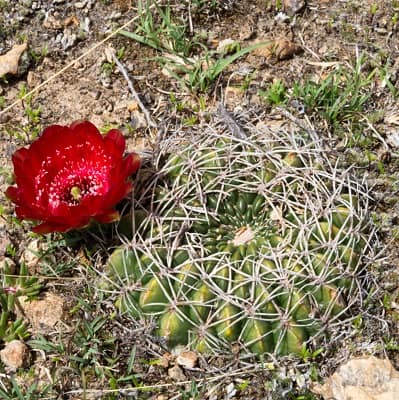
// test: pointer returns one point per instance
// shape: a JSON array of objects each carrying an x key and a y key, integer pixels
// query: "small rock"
[
  {"x": 115, "y": 15},
  {"x": 95, "y": 94},
  {"x": 230, "y": 390},
  {"x": 227, "y": 46},
  {"x": 393, "y": 139},
  {"x": 281, "y": 17},
  {"x": 33, "y": 79},
  {"x": 161, "y": 397},
  {"x": 106, "y": 81},
  {"x": 15, "y": 354},
  {"x": 32, "y": 255},
  {"x": 85, "y": 25},
  {"x": 176, "y": 374},
  {"x": 7, "y": 264},
  {"x": 138, "y": 119},
  {"x": 367, "y": 378},
  {"x": 80, "y": 4},
  {"x": 45, "y": 313},
  {"x": 9, "y": 62},
  {"x": 52, "y": 23},
  {"x": 132, "y": 105},
  {"x": 281, "y": 49},
  {"x": 68, "y": 39},
  {"x": 164, "y": 361},
  {"x": 187, "y": 359},
  {"x": 292, "y": 7}
]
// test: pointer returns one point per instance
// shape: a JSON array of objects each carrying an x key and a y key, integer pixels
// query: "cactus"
[{"x": 256, "y": 242}]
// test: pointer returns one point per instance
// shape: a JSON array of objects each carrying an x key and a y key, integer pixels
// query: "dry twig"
[{"x": 110, "y": 52}]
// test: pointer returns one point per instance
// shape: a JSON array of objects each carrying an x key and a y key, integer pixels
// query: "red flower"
[{"x": 71, "y": 175}]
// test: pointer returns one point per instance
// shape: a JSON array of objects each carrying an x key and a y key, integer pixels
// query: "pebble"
[
  {"x": 32, "y": 255},
  {"x": 15, "y": 354},
  {"x": 137, "y": 119},
  {"x": 364, "y": 378},
  {"x": 45, "y": 313},
  {"x": 85, "y": 25},
  {"x": 96, "y": 94},
  {"x": 227, "y": 46},
  {"x": 106, "y": 81},
  {"x": 293, "y": 7},
  {"x": 80, "y": 4},
  {"x": 176, "y": 373},
  {"x": 187, "y": 359},
  {"x": 230, "y": 390},
  {"x": 33, "y": 79},
  {"x": 115, "y": 15},
  {"x": 7, "y": 264},
  {"x": 68, "y": 39}
]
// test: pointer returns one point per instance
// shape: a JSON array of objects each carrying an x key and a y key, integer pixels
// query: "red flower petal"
[
  {"x": 115, "y": 142},
  {"x": 71, "y": 175},
  {"x": 131, "y": 164},
  {"x": 12, "y": 194},
  {"x": 48, "y": 227}
]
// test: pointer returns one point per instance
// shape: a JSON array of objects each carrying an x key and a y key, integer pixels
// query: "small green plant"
[
  {"x": 276, "y": 94},
  {"x": 373, "y": 9},
  {"x": 201, "y": 6},
  {"x": 385, "y": 78},
  {"x": 392, "y": 345},
  {"x": 13, "y": 286},
  {"x": 15, "y": 391},
  {"x": 165, "y": 35},
  {"x": 307, "y": 354},
  {"x": 32, "y": 129},
  {"x": 192, "y": 393},
  {"x": 198, "y": 75},
  {"x": 340, "y": 98}
]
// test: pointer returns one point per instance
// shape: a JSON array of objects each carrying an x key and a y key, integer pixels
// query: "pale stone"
[
  {"x": 165, "y": 360},
  {"x": 9, "y": 61},
  {"x": 7, "y": 265},
  {"x": 280, "y": 49},
  {"x": 292, "y": 7},
  {"x": 43, "y": 314},
  {"x": 15, "y": 354},
  {"x": 31, "y": 255},
  {"x": 366, "y": 378},
  {"x": 227, "y": 46},
  {"x": 187, "y": 359},
  {"x": 176, "y": 373}
]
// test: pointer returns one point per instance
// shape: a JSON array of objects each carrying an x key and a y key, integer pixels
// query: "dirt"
[{"x": 72, "y": 80}]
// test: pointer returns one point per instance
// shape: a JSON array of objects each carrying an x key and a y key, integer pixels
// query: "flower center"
[
  {"x": 73, "y": 188},
  {"x": 76, "y": 193}
]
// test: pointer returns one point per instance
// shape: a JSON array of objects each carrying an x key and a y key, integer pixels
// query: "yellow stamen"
[{"x": 76, "y": 193}]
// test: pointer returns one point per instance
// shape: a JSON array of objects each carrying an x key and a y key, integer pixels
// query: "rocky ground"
[{"x": 329, "y": 67}]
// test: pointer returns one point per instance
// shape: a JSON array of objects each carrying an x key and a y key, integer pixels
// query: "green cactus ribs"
[
  {"x": 238, "y": 223},
  {"x": 257, "y": 244}
]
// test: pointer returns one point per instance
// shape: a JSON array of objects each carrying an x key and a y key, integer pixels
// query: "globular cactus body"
[{"x": 256, "y": 242}]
